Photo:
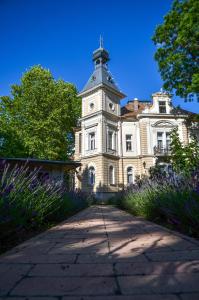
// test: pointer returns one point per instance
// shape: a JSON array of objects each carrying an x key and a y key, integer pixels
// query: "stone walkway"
[{"x": 102, "y": 253}]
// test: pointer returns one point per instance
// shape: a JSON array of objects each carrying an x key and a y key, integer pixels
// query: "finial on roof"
[
  {"x": 101, "y": 42},
  {"x": 161, "y": 90}
]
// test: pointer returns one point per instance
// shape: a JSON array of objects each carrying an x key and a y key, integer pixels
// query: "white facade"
[{"x": 115, "y": 145}]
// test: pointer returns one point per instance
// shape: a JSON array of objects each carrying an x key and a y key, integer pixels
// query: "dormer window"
[
  {"x": 111, "y": 106},
  {"x": 162, "y": 107},
  {"x": 110, "y": 79}
]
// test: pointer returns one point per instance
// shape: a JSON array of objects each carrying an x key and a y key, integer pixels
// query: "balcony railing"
[
  {"x": 112, "y": 151},
  {"x": 162, "y": 150}
]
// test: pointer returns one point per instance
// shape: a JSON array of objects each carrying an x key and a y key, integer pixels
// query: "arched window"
[
  {"x": 129, "y": 175},
  {"x": 111, "y": 175},
  {"x": 91, "y": 175}
]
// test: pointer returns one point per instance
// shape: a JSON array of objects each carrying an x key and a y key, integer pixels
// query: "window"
[
  {"x": 168, "y": 140},
  {"x": 110, "y": 140},
  {"x": 129, "y": 175},
  {"x": 111, "y": 106},
  {"x": 162, "y": 107},
  {"x": 91, "y": 141},
  {"x": 128, "y": 142},
  {"x": 91, "y": 175},
  {"x": 160, "y": 140},
  {"x": 80, "y": 143},
  {"x": 91, "y": 106},
  {"x": 111, "y": 175},
  {"x": 111, "y": 144}
]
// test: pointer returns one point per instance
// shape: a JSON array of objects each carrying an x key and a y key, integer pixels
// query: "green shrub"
[
  {"x": 26, "y": 201},
  {"x": 171, "y": 200}
]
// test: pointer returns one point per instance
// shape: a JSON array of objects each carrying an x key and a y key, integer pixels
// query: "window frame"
[
  {"x": 111, "y": 175},
  {"x": 130, "y": 173},
  {"x": 92, "y": 141},
  {"x": 168, "y": 140},
  {"x": 129, "y": 142},
  {"x": 91, "y": 175},
  {"x": 160, "y": 140},
  {"x": 165, "y": 140},
  {"x": 162, "y": 105},
  {"x": 110, "y": 140}
]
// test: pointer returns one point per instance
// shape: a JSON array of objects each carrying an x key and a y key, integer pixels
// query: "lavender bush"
[
  {"x": 167, "y": 199},
  {"x": 27, "y": 200}
]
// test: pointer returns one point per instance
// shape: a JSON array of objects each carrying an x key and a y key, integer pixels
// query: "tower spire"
[{"x": 101, "y": 41}]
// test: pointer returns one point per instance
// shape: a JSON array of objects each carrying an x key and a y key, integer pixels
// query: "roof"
[
  {"x": 130, "y": 109},
  {"x": 178, "y": 110},
  {"x": 101, "y": 75},
  {"x": 42, "y": 161}
]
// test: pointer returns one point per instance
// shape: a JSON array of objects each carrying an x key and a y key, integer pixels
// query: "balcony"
[
  {"x": 162, "y": 151},
  {"x": 111, "y": 151}
]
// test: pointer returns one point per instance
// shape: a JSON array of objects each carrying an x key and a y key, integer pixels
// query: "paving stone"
[
  {"x": 131, "y": 246},
  {"x": 188, "y": 283},
  {"x": 10, "y": 275},
  {"x": 62, "y": 286},
  {"x": 154, "y": 268},
  {"x": 29, "y": 298},
  {"x": 80, "y": 258},
  {"x": 184, "y": 245},
  {"x": 128, "y": 256},
  {"x": 22, "y": 258},
  {"x": 174, "y": 256},
  {"x": 123, "y": 297},
  {"x": 190, "y": 296},
  {"x": 153, "y": 284},
  {"x": 93, "y": 258},
  {"x": 81, "y": 247},
  {"x": 82, "y": 270}
]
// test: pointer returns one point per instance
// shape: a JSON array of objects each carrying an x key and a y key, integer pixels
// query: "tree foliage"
[
  {"x": 38, "y": 119},
  {"x": 177, "y": 54},
  {"x": 185, "y": 158}
]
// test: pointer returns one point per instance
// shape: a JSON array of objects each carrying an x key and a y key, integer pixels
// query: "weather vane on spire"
[{"x": 101, "y": 42}]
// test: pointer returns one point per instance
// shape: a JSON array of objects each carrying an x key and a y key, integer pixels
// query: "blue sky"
[{"x": 62, "y": 34}]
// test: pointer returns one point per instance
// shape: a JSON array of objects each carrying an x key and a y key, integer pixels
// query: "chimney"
[{"x": 135, "y": 104}]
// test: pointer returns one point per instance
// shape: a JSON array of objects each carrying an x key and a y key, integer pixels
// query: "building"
[
  {"x": 53, "y": 169},
  {"x": 114, "y": 144}
]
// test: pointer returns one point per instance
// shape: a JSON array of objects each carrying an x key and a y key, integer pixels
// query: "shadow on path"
[{"x": 102, "y": 253}]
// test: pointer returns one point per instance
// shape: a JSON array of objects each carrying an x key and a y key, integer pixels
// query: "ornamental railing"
[{"x": 162, "y": 150}]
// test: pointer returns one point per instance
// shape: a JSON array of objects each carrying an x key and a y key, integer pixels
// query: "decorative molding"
[
  {"x": 91, "y": 126},
  {"x": 163, "y": 124}
]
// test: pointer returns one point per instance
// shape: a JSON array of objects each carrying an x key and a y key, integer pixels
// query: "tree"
[
  {"x": 185, "y": 158},
  {"x": 177, "y": 41},
  {"x": 38, "y": 120}
]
